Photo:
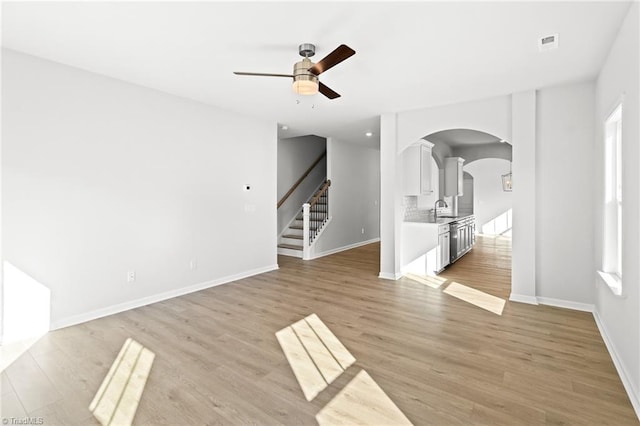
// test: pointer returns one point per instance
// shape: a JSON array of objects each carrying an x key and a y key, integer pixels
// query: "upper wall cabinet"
[
  {"x": 416, "y": 166},
  {"x": 453, "y": 176}
]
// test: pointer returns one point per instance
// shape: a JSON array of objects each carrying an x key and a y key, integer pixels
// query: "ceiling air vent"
[{"x": 548, "y": 42}]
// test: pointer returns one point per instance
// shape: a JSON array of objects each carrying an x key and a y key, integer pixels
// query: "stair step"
[
  {"x": 290, "y": 246},
  {"x": 313, "y": 228},
  {"x": 310, "y": 220},
  {"x": 296, "y": 237}
]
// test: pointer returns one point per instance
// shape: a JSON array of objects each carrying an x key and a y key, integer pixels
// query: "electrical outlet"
[
  {"x": 193, "y": 264},
  {"x": 363, "y": 230},
  {"x": 131, "y": 276}
]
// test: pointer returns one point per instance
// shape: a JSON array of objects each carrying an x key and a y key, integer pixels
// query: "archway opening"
[{"x": 487, "y": 265}]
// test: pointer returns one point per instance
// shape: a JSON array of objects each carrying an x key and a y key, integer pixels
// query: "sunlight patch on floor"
[
  {"x": 25, "y": 313},
  {"x": 119, "y": 394},
  {"x": 315, "y": 354},
  {"x": 476, "y": 297},
  {"x": 433, "y": 282},
  {"x": 9, "y": 352},
  {"x": 361, "y": 402}
]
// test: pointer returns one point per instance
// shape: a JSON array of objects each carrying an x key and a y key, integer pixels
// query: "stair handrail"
[
  {"x": 299, "y": 181},
  {"x": 320, "y": 193}
]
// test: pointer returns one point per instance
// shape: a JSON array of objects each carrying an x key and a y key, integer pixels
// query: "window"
[{"x": 612, "y": 247}]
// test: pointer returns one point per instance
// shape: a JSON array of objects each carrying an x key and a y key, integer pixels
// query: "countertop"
[{"x": 440, "y": 220}]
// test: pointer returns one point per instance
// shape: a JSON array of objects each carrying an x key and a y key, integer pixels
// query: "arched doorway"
[{"x": 487, "y": 157}]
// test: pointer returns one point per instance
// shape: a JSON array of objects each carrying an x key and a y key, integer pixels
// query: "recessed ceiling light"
[
  {"x": 285, "y": 127},
  {"x": 368, "y": 134},
  {"x": 502, "y": 141}
]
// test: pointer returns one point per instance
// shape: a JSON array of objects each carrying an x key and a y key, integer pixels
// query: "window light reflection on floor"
[
  {"x": 117, "y": 399},
  {"x": 433, "y": 282},
  {"x": 315, "y": 354},
  {"x": 476, "y": 297},
  {"x": 361, "y": 402}
]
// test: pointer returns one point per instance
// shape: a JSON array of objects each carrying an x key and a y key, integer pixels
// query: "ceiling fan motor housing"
[{"x": 304, "y": 82}]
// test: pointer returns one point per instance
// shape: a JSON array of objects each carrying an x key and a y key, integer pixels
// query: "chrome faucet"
[{"x": 435, "y": 208}]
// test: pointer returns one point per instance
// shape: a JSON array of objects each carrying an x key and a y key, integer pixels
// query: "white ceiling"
[{"x": 409, "y": 55}]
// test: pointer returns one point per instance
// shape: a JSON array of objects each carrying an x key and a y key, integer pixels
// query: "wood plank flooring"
[
  {"x": 441, "y": 360},
  {"x": 487, "y": 267}
]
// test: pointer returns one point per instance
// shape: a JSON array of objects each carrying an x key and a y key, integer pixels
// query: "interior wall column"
[
  {"x": 390, "y": 202},
  {"x": 523, "y": 269}
]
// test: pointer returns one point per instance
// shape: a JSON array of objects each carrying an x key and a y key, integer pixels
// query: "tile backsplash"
[{"x": 412, "y": 212}]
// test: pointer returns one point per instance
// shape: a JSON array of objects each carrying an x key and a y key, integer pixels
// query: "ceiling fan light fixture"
[
  {"x": 305, "y": 87},
  {"x": 304, "y": 83}
]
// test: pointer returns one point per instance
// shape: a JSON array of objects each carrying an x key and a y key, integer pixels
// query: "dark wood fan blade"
[
  {"x": 260, "y": 74},
  {"x": 341, "y": 53},
  {"x": 327, "y": 92}
]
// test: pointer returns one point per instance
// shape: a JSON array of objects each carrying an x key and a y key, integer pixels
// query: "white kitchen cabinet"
[
  {"x": 443, "y": 251},
  {"x": 453, "y": 176},
  {"x": 416, "y": 166}
]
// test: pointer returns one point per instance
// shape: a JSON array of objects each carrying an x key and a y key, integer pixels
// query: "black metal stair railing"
[{"x": 318, "y": 213}]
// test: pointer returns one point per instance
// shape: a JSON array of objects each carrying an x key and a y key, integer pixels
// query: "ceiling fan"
[{"x": 305, "y": 73}]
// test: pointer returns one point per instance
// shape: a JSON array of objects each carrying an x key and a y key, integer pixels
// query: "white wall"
[
  {"x": 390, "y": 198},
  {"x": 523, "y": 142},
  {"x": 489, "y": 200},
  {"x": 518, "y": 118},
  {"x": 564, "y": 192},
  {"x": 491, "y": 116},
  {"x": 618, "y": 317},
  {"x": 295, "y": 155},
  {"x": 101, "y": 177},
  {"x": 354, "y": 196}
]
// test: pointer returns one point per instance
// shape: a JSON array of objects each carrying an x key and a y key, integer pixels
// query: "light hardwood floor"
[{"x": 441, "y": 360}]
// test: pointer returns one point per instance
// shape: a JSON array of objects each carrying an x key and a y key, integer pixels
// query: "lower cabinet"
[{"x": 443, "y": 251}]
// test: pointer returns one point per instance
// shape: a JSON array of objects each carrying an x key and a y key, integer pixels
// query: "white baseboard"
[
  {"x": 390, "y": 276},
  {"x": 521, "y": 298},
  {"x": 349, "y": 247},
  {"x": 586, "y": 307},
  {"x": 125, "y": 306},
  {"x": 634, "y": 395}
]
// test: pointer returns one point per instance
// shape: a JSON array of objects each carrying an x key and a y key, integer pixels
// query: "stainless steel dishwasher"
[
  {"x": 462, "y": 236},
  {"x": 455, "y": 236}
]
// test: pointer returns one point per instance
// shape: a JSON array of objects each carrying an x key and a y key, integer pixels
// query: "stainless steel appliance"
[{"x": 462, "y": 237}]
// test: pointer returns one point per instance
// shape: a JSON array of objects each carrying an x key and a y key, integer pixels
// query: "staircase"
[{"x": 316, "y": 213}]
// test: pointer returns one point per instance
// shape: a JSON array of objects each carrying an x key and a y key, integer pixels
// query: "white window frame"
[{"x": 611, "y": 272}]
